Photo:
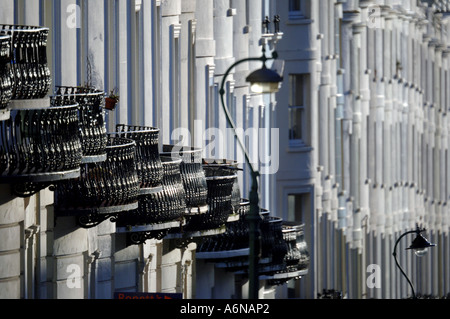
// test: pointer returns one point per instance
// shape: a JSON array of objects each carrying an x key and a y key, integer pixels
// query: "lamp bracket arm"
[
  {"x": 398, "y": 240},
  {"x": 397, "y": 263},
  {"x": 222, "y": 87},
  {"x": 263, "y": 59}
]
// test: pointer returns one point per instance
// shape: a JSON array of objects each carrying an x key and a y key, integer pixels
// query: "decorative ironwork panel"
[
  {"x": 272, "y": 243},
  {"x": 236, "y": 236},
  {"x": 164, "y": 204},
  {"x": 297, "y": 256},
  {"x": 113, "y": 182},
  {"x": 219, "y": 201},
  {"x": 284, "y": 253},
  {"x": 37, "y": 141},
  {"x": 29, "y": 65},
  {"x": 91, "y": 112},
  {"x": 216, "y": 167},
  {"x": 192, "y": 173},
  {"x": 148, "y": 161},
  {"x": 6, "y": 81}
]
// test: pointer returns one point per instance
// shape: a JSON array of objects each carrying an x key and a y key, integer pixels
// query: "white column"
[
  {"x": 68, "y": 259},
  {"x": 95, "y": 42},
  {"x": 12, "y": 214},
  {"x": 7, "y": 12},
  {"x": 121, "y": 65},
  {"x": 205, "y": 51},
  {"x": 102, "y": 246},
  {"x": 187, "y": 50},
  {"x": 146, "y": 56},
  {"x": 170, "y": 33},
  {"x": 67, "y": 23}
]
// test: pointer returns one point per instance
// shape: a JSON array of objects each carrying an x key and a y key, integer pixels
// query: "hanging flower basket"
[
  {"x": 110, "y": 103},
  {"x": 111, "y": 100}
]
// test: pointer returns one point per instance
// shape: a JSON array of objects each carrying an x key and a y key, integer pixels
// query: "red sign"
[{"x": 145, "y": 296}]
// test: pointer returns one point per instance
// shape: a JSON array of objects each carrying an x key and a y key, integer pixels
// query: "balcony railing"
[
  {"x": 184, "y": 177},
  {"x": 165, "y": 204},
  {"x": 296, "y": 260},
  {"x": 284, "y": 254},
  {"x": 39, "y": 146},
  {"x": 6, "y": 82},
  {"x": 105, "y": 189},
  {"x": 235, "y": 240},
  {"x": 273, "y": 246},
  {"x": 148, "y": 159},
  {"x": 31, "y": 75},
  {"x": 231, "y": 249},
  {"x": 192, "y": 174},
  {"x": 92, "y": 126},
  {"x": 218, "y": 167},
  {"x": 219, "y": 202},
  {"x": 161, "y": 196},
  {"x": 297, "y": 257}
]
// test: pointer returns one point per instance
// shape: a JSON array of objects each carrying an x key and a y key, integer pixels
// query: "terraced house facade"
[{"x": 353, "y": 149}]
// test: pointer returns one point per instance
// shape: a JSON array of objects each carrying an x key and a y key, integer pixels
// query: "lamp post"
[
  {"x": 420, "y": 246},
  {"x": 262, "y": 81}
]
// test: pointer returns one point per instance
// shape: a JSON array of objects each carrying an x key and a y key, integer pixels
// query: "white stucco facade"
[
  {"x": 167, "y": 58},
  {"x": 372, "y": 160},
  {"x": 361, "y": 155}
]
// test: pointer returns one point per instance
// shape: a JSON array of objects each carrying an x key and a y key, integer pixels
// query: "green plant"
[{"x": 114, "y": 94}]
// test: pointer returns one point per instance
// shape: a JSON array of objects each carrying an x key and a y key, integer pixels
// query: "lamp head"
[
  {"x": 264, "y": 80},
  {"x": 420, "y": 245}
]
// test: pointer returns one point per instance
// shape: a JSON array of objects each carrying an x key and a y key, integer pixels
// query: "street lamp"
[
  {"x": 262, "y": 81},
  {"x": 420, "y": 246}
]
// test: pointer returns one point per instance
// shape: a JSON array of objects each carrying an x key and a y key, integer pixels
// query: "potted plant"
[{"x": 112, "y": 99}]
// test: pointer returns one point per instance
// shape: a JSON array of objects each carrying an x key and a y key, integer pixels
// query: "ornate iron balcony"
[
  {"x": 235, "y": 239},
  {"x": 216, "y": 167},
  {"x": 219, "y": 202},
  {"x": 28, "y": 61},
  {"x": 105, "y": 189},
  {"x": 273, "y": 245},
  {"x": 192, "y": 174},
  {"x": 161, "y": 193},
  {"x": 39, "y": 147},
  {"x": 284, "y": 254},
  {"x": 148, "y": 159},
  {"x": 164, "y": 204},
  {"x": 231, "y": 249},
  {"x": 6, "y": 82},
  {"x": 160, "y": 210},
  {"x": 92, "y": 126},
  {"x": 297, "y": 257}
]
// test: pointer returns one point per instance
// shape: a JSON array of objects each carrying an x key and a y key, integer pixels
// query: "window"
[
  {"x": 294, "y": 5},
  {"x": 295, "y": 9},
  {"x": 297, "y": 98},
  {"x": 296, "y": 207}
]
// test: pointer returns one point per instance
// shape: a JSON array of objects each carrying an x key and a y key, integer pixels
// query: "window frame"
[
  {"x": 295, "y": 13},
  {"x": 294, "y": 104}
]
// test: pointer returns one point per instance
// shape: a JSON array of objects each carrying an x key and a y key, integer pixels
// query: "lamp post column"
[
  {"x": 253, "y": 217},
  {"x": 398, "y": 265},
  {"x": 254, "y": 237}
]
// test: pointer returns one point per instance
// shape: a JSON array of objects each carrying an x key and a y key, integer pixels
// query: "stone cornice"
[{"x": 352, "y": 16}]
